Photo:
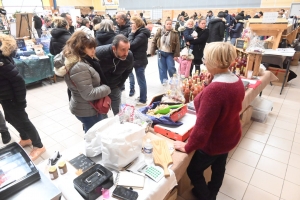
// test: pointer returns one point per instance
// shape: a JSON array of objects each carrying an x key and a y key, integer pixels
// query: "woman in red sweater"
[{"x": 217, "y": 129}]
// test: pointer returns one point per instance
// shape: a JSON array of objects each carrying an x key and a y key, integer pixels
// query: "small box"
[
  {"x": 279, "y": 73},
  {"x": 90, "y": 183},
  {"x": 261, "y": 109},
  {"x": 180, "y": 133}
]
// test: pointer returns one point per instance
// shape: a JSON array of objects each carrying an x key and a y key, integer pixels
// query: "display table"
[{"x": 35, "y": 70}]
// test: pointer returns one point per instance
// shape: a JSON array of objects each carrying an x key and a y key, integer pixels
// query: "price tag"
[{"x": 270, "y": 17}]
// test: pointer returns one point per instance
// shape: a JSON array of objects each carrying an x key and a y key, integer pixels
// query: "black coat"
[
  {"x": 58, "y": 40},
  {"x": 199, "y": 44},
  {"x": 139, "y": 45},
  {"x": 115, "y": 70},
  {"x": 216, "y": 30},
  {"x": 104, "y": 37},
  {"x": 124, "y": 30},
  {"x": 12, "y": 84}
]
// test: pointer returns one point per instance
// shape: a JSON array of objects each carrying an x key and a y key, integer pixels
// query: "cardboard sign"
[
  {"x": 239, "y": 43},
  {"x": 21, "y": 44}
]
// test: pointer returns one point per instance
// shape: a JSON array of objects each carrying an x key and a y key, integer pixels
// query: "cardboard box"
[
  {"x": 279, "y": 73},
  {"x": 180, "y": 133}
]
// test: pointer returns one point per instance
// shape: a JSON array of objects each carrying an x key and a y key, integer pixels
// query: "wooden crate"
[{"x": 253, "y": 63}]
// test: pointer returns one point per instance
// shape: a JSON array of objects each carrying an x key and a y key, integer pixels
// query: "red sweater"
[{"x": 217, "y": 129}]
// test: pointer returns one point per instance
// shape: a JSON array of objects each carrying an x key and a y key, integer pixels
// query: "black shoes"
[
  {"x": 5, "y": 137},
  {"x": 131, "y": 92}
]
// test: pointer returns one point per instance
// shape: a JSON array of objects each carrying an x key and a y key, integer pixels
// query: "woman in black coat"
[
  {"x": 216, "y": 28},
  {"x": 237, "y": 29},
  {"x": 199, "y": 44},
  {"x": 138, "y": 39},
  {"x": 13, "y": 98},
  {"x": 105, "y": 33},
  {"x": 60, "y": 35}
]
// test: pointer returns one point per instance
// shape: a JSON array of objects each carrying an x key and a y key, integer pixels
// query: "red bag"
[{"x": 102, "y": 106}]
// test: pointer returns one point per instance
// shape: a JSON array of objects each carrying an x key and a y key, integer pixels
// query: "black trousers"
[
  {"x": 18, "y": 118},
  {"x": 200, "y": 162}
]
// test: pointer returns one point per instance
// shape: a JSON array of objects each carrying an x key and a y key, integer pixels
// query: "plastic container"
[
  {"x": 261, "y": 109},
  {"x": 148, "y": 151}
]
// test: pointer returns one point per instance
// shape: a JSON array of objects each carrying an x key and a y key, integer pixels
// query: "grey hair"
[
  {"x": 106, "y": 25},
  {"x": 47, "y": 19}
]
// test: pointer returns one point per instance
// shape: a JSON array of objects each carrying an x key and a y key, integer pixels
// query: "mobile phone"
[{"x": 123, "y": 193}]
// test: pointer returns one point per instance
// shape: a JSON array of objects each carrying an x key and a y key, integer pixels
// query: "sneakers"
[
  {"x": 138, "y": 99},
  {"x": 132, "y": 92},
  {"x": 139, "y": 103},
  {"x": 5, "y": 137},
  {"x": 36, "y": 152},
  {"x": 25, "y": 143}
]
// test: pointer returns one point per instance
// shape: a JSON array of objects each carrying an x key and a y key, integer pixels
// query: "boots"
[{"x": 5, "y": 137}]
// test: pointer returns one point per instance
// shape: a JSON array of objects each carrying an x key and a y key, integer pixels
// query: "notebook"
[{"x": 130, "y": 179}]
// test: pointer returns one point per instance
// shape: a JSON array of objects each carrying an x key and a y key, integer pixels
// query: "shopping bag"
[{"x": 121, "y": 144}]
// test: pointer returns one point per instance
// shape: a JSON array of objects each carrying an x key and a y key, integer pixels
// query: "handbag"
[{"x": 102, "y": 105}]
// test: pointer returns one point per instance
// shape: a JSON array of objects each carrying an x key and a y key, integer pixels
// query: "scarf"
[
  {"x": 165, "y": 37},
  {"x": 96, "y": 65}
]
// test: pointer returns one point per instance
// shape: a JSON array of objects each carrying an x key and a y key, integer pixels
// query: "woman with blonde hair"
[
  {"x": 13, "y": 99},
  {"x": 60, "y": 35},
  {"x": 217, "y": 129},
  {"x": 138, "y": 39},
  {"x": 82, "y": 78},
  {"x": 105, "y": 33}
]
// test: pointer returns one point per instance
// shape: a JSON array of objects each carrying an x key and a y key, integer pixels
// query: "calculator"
[{"x": 156, "y": 173}]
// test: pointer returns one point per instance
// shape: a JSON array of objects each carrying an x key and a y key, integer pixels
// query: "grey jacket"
[{"x": 84, "y": 84}]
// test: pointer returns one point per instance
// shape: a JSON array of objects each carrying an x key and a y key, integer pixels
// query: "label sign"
[
  {"x": 239, "y": 43},
  {"x": 21, "y": 44},
  {"x": 270, "y": 17}
]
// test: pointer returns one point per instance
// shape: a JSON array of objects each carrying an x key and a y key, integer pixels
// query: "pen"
[{"x": 134, "y": 172}]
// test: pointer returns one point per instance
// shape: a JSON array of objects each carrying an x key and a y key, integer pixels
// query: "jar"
[
  {"x": 62, "y": 167},
  {"x": 53, "y": 172}
]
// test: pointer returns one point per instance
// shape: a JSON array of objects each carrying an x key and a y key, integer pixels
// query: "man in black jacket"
[
  {"x": 13, "y": 98},
  {"x": 38, "y": 25},
  {"x": 123, "y": 26},
  {"x": 116, "y": 62},
  {"x": 68, "y": 17},
  {"x": 217, "y": 28}
]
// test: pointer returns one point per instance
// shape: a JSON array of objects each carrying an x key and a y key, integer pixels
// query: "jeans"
[
  {"x": 18, "y": 118},
  {"x": 88, "y": 122},
  {"x": 131, "y": 81},
  {"x": 232, "y": 41},
  {"x": 200, "y": 162},
  {"x": 226, "y": 34},
  {"x": 165, "y": 64},
  {"x": 141, "y": 79},
  {"x": 3, "y": 127}
]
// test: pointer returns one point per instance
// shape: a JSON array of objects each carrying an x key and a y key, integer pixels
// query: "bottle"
[
  {"x": 148, "y": 150},
  {"x": 187, "y": 95}
]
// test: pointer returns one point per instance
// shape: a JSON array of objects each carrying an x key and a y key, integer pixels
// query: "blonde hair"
[
  {"x": 219, "y": 54},
  {"x": 138, "y": 21},
  {"x": 60, "y": 22},
  {"x": 9, "y": 44},
  {"x": 188, "y": 21}
]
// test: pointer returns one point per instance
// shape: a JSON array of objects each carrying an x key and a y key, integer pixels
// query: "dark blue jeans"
[
  {"x": 141, "y": 79},
  {"x": 165, "y": 64},
  {"x": 131, "y": 81},
  {"x": 88, "y": 122}
]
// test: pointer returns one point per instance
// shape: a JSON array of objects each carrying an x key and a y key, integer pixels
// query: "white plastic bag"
[
  {"x": 121, "y": 144},
  {"x": 93, "y": 136}
]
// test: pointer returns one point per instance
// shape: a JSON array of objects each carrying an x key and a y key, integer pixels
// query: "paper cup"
[{"x": 249, "y": 74}]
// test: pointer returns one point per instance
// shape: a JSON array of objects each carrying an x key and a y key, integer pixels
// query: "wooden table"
[{"x": 291, "y": 34}]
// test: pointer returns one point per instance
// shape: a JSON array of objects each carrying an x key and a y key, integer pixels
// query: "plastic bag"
[{"x": 121, "y": 144}]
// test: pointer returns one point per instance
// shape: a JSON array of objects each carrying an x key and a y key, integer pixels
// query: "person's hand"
[
  {"x": 176, "y": 58},
  {"x": 178, "y": 145}
]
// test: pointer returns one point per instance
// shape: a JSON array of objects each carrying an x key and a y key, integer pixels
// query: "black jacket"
[
  {"x": 199, "y": 44},
  {"x": 58, "y": 40},
  {"x": 104, "y": 37},
  {"x": 12, "y": 84},
  {"x": 115, "y": 70},
  {"x": 216, "y": 30},
  {"x": 37, "y": 22},
  {"x": 139, "y": 45},
  {"x": 124, "y": 30},
  {"x": 237, "y": 30}
]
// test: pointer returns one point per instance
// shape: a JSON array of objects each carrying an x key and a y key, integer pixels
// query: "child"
[
  {"x": 185, "y": 62},
  {"x": 189, "y": 34}
]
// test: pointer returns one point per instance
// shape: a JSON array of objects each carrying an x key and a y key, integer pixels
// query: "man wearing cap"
[
  {"x": 209, "y": 17},
  {"x": 259, "y": 15}
]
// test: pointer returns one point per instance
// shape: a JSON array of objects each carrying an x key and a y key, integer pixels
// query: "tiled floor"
[{"x": 264, "y": 166}]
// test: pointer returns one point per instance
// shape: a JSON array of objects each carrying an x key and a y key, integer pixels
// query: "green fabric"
[{"x": 35, "y": 70}]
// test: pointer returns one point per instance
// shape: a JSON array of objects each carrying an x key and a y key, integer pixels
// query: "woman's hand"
[
  {"x": 176, "y": 58},
  {"x": 178, "y": 145}
]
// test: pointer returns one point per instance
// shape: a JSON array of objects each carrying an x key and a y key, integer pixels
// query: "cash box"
[{"x": 90, "y": 183}]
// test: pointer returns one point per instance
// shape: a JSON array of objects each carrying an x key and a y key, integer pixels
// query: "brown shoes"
[
  {"x": 25, "y": 143},
  {"x": 36, "y": 152}
]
